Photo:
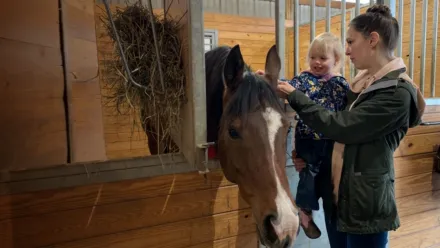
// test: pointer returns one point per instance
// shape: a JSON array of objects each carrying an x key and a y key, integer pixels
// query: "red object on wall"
[{"x": 212, "y": 152}]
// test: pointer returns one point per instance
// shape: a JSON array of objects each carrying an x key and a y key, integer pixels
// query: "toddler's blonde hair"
[{"x": 328, "y": 42}]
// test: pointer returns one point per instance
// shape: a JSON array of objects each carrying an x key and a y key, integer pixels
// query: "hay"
[{"x": 158, "y": 107}]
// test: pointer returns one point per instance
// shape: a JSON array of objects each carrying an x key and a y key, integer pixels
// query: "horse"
[{"x": 246, "y": 121}]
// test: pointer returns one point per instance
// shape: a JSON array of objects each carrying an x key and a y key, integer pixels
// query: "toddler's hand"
[{"x": 298, "y": 162}]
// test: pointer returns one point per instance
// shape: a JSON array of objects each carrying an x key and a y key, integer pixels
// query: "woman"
[{"x": 382, "y": 104}]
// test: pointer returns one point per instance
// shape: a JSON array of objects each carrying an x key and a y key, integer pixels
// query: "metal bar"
[
  {"x": 328, "y": 15},
  {"x": 156, "y": 45},
  {"x": 434, "y": 47},
  {"x": 400, "y": 21},
  {"x": 312, "y": 19},
  {"x": 357, "y": 8},
  {"x": 280, "y": 18},
  {"x": 372, "y": 2},
  {"x": 423, "y": 52},
  {"x": 432, "y": 123},
  {"x": 412, "y": 30},
  {"x": 121, "y": 50},
  {"x": 343, "y": 26},
  {"x": 296, "y": 36},
  {"x": 197, "y": 79},
  {"x": 391, "y": 4}
]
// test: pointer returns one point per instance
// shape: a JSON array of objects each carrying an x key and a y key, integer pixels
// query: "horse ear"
[
  {"x": 234, "y": 68},
  {"x": 273, "y": 65}
]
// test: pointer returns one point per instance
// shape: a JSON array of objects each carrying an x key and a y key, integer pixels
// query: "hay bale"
[{"x": 157, "y": 107}]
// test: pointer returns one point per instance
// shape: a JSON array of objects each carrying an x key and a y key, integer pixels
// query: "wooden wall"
[
  {"x": 191, "y": 211},
  {"x": 174, "y": 211},
  {"x": 36, "y": 134},
  {"x": 82, "y": 82},
  {"x": 33, "y": 126},
  {"x": 418, "y": 44},
  {"x": 255, "y": 36},
  {"x": 417, "y": 187},
  {"x": 47, "y": 120}
]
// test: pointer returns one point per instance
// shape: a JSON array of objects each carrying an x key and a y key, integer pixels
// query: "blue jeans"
[
  {"x": 315, "y": 153},
  {"x": 347, "y": 240}
]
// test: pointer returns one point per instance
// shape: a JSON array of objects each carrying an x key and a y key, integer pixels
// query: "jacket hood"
[{"x": 418, "y": 102}]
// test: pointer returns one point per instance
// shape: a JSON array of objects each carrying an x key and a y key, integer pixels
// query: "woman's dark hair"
[{"x": 378, "y": 19}]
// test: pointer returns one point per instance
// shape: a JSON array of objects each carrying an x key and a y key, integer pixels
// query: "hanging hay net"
[{"x": 158, "y": 106}]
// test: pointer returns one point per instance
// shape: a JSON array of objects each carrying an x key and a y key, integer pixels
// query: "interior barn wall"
[
  {"x": 189, "y": 210},
  {"x": 84, "y": 92},
  {"x": 33, "y": 126},
  {"x": 255, "y": 36},
  {"x": 174, "y": 211}
]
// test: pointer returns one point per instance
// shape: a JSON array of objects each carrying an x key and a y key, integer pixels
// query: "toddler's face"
[{"x": 321, "y": 63}]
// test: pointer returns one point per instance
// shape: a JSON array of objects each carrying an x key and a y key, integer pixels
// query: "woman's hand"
[
  {"x": 298, "y": 162},
  {"x": 284, "y": 89},
  {"x": 260, "y": 72}
]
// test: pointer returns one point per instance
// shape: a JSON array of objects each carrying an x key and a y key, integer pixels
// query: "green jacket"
[{"x": 371, "y": 132}]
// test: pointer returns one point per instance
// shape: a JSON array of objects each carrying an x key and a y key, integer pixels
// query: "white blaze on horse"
[{"x": 245, "y": 118}]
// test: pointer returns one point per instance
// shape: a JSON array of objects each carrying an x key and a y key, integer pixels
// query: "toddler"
[{"x": 322, "y": 83}]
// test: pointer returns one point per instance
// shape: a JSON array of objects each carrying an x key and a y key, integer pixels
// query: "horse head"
[{"x": 251, "y": 136}]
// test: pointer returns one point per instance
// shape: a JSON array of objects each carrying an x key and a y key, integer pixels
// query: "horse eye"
[{"x": 233, "y": 133}]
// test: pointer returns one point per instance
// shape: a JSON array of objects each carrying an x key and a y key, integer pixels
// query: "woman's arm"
[{"x": 375, "y": 117}]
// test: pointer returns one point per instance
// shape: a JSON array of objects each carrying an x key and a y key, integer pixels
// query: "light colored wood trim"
[
  {"x": 86, "y": 134},
  {"x": 99, "y": 172}
]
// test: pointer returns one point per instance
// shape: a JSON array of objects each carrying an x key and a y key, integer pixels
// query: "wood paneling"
[
  {"x": 31, "y": 77},
  {"x": 417, "y": 191},
  {"x": 256, "y": 36},
  {"x": 418, "y": 44},
  {"x": 130, "y": 213},
  {"x": 85, "y": 114},
  {"x": 194, "y": 210},
  {"x": 34, "y": 22}
]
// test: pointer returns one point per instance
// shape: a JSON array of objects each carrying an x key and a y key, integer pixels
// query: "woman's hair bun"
[{"x": 380, "y": 9}]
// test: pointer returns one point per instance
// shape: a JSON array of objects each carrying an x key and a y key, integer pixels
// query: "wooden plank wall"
[
  {"x": 85, "y": 111},
  {"x": 189, "y": 210},
  {"x": 417, "y": 187},
  {"x": 33, "y": 126},
  {"x": 255, "y": 36},
  {"x": 174, "y": 211},
  {"x": 418, "y": 44}
]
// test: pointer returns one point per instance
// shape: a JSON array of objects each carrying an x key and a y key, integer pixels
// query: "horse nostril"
[
  {"x": 286, "y": 242},
  {"x": 269, "y": 229}
]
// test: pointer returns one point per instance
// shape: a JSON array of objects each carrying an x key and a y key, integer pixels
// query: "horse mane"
[
  {"x": 253, "y": 93},
  {"x": 215, "y": 60}
]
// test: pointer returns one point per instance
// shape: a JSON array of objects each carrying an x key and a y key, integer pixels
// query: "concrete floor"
[{"x": 303, "y": 241}]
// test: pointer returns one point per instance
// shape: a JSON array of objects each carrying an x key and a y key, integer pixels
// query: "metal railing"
[{"x": 397, "y": 7}]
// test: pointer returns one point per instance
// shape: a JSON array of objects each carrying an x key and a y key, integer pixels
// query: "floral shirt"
[{"x": 328, "y": 91}]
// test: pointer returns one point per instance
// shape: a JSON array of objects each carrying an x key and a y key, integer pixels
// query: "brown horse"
[{"x": 246, "y": 121}]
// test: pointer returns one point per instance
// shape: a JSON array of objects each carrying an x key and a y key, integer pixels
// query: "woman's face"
[{"x": 358, "y": 49}]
